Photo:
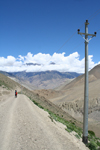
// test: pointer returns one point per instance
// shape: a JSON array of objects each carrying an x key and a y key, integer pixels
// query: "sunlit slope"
[
  {"x": 71, "y": 98},
  {"x": 7, "y": 82},
  {"x": 75, "y": 89}
]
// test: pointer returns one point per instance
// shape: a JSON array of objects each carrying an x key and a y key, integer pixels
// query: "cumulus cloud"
[
  {"x": 62, "y": 63},
  {"x": 9, "y": 61},
  {"x": 38, "y": 58}
]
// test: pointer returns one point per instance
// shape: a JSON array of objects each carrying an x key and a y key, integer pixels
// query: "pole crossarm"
[
  {"x": 86, "y": 39},
  {"x": 87, "y": 34}
]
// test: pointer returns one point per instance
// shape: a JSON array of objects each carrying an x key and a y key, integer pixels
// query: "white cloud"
[
  {"x": 38, "y": 58},
  {"x": 21, "y": 58},
  {"x": 70, "y": 63},
  {"x": 9, "y": 61}
]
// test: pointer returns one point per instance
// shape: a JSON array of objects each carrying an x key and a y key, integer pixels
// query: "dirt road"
[{"x": 24, "y": 126}]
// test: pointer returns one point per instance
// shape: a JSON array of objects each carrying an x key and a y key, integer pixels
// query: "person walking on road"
[{"x": 15, "y": 93}]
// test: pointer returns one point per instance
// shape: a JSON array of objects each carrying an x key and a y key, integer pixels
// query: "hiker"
[{"x": 15, "y": 93}]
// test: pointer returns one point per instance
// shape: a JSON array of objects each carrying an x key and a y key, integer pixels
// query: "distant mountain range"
[
  {"x": 46, "y": 75},
  {"x": 41, "y": 80}
]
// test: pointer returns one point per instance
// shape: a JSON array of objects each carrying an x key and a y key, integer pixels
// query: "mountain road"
[{"x": 24, "y": 126}]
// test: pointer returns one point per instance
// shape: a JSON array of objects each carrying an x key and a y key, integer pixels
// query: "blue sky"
[{"x": 30, "y": 29}]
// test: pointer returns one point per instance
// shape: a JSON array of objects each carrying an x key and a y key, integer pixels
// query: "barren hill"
[
  {"x": 8, "y": 83},
  {"x": 76, "y": 86},
  {"x": 95, "y": 71},
  {"x": 70, "y": 97},
  {"x": 94, "y": 75}
]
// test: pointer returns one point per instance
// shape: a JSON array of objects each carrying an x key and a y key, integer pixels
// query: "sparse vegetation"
[
  {"x": 92, "y": 145},
  {"x": 37, "y": 104},
  {"x": 4, "y": 85},
  {"x": 19, "y": 93},
  {"x": 77, "y": 136},
  {"x": 6, "y": 82},
  {"x": 94, "y": 142}
]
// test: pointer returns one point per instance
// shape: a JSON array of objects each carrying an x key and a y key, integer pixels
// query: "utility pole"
[{"x": 85, "y": 113}]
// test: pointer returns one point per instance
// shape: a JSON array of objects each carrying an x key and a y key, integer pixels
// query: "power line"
[
  {"x": 51, "y": 58},
  {"x": 66, "y": 41},
  {"x": 80, "y": 28},
  {"x": 60, "y": 48},
  {"x": 94, "y": 14},
  {"x": 90, "y": 17},
  {"x": 74, "y": 34},
  {"x": 77, "y": 46}
]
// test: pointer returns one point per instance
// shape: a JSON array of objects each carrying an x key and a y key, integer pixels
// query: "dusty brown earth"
[
  {"x": 24, "y": 126},
  {"x": 70, "y": 98}
]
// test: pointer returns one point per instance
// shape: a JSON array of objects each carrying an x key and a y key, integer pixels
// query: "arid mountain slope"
[
  {"x": 75, "y": 89},
  {"x": 95, "y": 71},
  {"x": 70, "y": 98},
  {"x": 8, "y": 83}
]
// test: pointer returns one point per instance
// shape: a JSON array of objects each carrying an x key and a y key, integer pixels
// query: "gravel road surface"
[{"x": 24, "y": 126}]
